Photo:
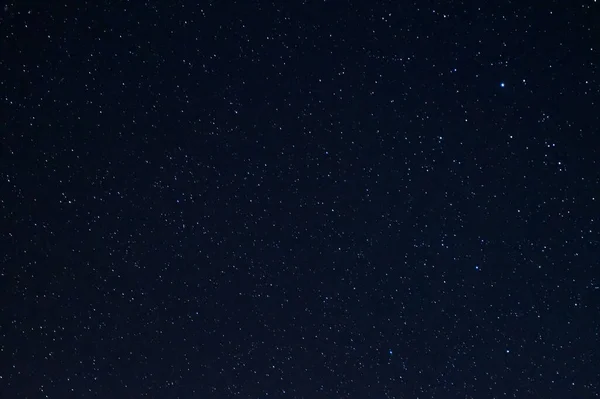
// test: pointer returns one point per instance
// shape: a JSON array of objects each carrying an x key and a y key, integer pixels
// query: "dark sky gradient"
[{"x": 305, "y": 199}]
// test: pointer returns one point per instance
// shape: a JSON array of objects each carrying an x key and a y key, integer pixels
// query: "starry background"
[{"x": 312, "y": 199}]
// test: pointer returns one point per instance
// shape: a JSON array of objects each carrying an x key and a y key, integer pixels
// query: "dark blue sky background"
[{"x": 308, "y": 199}]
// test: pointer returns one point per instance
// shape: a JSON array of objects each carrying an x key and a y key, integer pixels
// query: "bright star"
[{"x": 502, "y": 84}]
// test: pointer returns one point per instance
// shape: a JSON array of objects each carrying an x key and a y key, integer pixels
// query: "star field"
[{"x": 305, "y": 199}]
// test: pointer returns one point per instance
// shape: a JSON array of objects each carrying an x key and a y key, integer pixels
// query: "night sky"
[{"x": 300, "y": 199}]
